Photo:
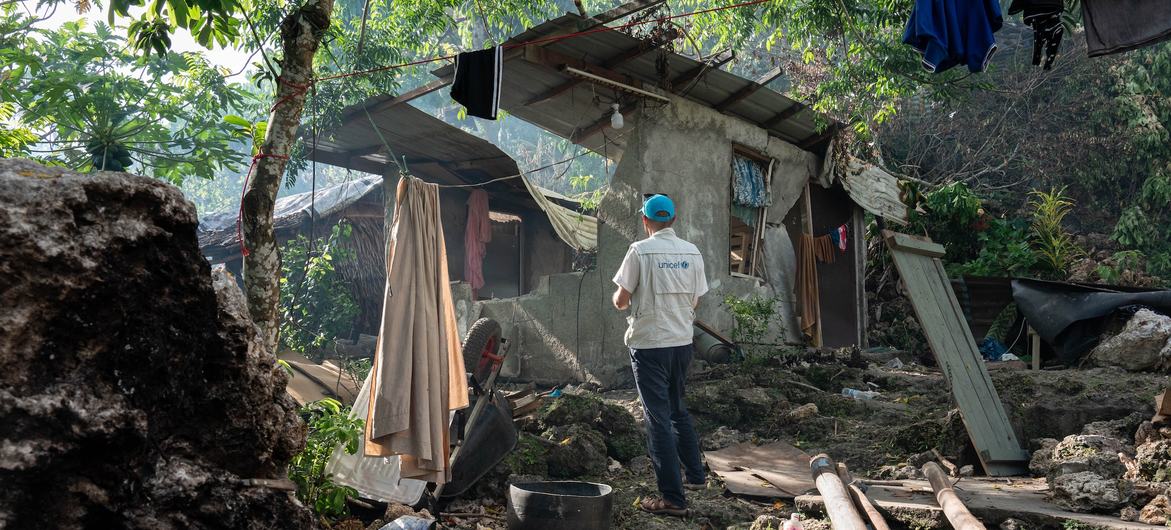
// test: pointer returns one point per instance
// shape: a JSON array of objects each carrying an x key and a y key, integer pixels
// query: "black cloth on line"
[
  {"x": 1114, "y": 26},
  {"x": 476, "y": 85},
  {"x": 1044, "y": 16}
]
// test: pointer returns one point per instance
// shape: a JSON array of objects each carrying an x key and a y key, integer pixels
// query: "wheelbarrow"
[{"x": 484, "y": 433}]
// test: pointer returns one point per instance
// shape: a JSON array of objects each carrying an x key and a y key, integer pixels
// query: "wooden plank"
[
  {"x": 1035, "y": 348},
  {"x": 913, "y": 244},
  {"x": 1163, "y": 403},
  {"x": 951, "y": 341},
  {"x": 749, "y": 90}
]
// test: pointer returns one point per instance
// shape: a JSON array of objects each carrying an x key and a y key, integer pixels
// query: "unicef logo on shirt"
[{"x": 674, "y": 265}]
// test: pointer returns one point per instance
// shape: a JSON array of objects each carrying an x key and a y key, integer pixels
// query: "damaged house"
[{"x": 745, "y": 165}]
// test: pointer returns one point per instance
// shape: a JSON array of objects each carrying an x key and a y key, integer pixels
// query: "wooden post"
[
  {"x": 1035, "y": 348},
  {"x": 838, "y": 504},
  {"x": 953, "y": 508},
  {"x": 861, "y": 501}
]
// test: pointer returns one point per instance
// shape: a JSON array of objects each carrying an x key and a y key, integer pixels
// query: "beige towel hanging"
[{"x": 418, "y": 375}]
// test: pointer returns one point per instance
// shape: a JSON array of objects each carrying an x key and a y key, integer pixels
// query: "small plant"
[
  {"x": 1121, "y": 262},
  {"x": 316, "y": 303},
  {"x": 330, "y": 426},
  {"x": 752, "y": 315},
  {"x": 590, "y": 199},
  {"x": 1052, "y": 243}
]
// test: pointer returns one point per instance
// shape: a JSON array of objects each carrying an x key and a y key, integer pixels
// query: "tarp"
[
  {"x": 375, "y": 478},
  {"x": 328, "y": 201},
  {"x": 576, "y": 229},
  {"x": 313, "y": 382},
  {"x": 418, "y": 373},
  {"x": 1070, "y": 317}
]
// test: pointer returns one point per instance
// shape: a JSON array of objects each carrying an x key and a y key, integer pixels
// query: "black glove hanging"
[{"x": 1044, "y": 16}]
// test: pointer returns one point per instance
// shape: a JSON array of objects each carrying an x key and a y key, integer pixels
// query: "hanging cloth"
[
  {"x": 838, "y": 236},
  {"x": 807, "y": 289},
  {"x": 954, "y": 32},
  {"x": 748, "y": 188},
  {"x": 1044, "y": 16},
  {"x": 476, "y": 238},
  {"x": 418, "y": 375},
  {"x": 1115, "y": 26},
  {"x": 576, "y": 229},
  {"x": 476, "y": 84}
]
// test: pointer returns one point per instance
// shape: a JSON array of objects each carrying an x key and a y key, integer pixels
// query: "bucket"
[{"x": 564, "y": 505}]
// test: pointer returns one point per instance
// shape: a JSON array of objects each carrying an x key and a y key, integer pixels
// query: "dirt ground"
[{"x": 912, "y": 414}]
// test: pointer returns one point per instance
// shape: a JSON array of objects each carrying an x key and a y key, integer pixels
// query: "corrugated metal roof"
[
  {"x": 571, "y": 111},
  {"x": 435, "y": 151}
]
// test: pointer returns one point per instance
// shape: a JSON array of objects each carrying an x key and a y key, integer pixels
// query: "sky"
[{"x": 181, "y": 41}]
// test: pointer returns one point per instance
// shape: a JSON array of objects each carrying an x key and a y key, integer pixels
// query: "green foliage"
[
  {"x": 951, "y": 212},
  {"x": 1052, "y": 243},
  {"x": 1004, "y": 251},
  {"x": 590, "y": 198},
  {"x": 75, "y": 96},
  {"x": 330, "y": 427},
  {"x": 1127, "y": 260},
  {"x": 752, "y": 315},
  {"x": 316, "y": 303}
]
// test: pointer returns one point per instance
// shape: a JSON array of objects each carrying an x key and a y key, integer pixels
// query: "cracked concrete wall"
[{"x": 566, "y": 329}]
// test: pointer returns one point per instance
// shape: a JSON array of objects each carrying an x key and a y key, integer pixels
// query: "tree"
[{"x": 79, "y": 98}]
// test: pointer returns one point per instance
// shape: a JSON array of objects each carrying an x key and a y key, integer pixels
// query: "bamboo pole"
[
  {"x": 861, "y": 501},
  {"x": 839, "y": 506},
  {"x": 953, "y": 508}
]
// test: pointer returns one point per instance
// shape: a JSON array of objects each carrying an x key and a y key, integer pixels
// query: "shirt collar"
[{"x": 665, "y": 232}]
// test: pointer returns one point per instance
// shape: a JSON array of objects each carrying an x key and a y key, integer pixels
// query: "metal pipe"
[
  {"x": 839, "y": 506},
  {"x": 953, "y": 508}
]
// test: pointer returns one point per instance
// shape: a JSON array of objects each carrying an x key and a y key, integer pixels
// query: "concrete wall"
[{"x": 566, "y": 329}]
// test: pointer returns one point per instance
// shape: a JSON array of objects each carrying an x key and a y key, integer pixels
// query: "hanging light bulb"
[{"x": 616, "y": 118}]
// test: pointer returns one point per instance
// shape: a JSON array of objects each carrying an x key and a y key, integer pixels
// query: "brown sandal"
[{"x": 662, "y": 507}]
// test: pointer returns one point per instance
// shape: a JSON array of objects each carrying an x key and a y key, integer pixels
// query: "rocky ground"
[{"x": 797, "y": 398}]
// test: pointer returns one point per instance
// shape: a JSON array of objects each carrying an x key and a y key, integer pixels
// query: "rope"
[{"x": 244, "y": 191}]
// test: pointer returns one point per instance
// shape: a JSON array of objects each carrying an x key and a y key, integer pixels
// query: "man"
[{"x": 660, "y": 281}]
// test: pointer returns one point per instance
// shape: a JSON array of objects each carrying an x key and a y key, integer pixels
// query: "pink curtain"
[{"x": 476, "y": 238}]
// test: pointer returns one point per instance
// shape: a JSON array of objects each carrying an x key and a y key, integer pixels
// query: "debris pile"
[
  {"x": 1099, "y": 472},
  {"x": 134, "y": 391}
]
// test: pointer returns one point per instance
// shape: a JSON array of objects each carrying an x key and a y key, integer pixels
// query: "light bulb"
[{"x": 616, "y": 118}]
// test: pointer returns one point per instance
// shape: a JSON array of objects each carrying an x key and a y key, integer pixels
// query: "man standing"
[{"x": 660, "y": 281}]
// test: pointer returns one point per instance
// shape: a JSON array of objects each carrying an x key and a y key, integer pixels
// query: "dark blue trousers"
[{"x": 659, "y": 374}]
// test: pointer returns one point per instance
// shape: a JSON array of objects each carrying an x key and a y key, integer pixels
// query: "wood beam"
[
  {"x": 397, "y": 100},
  {"x": 697, "y": 72},
  {"x": 749, "y": 90},
  {"x": 626, "y": 9},
  {"x": 783, "y": 115},
  {"x": 555, "y": 60},
  {"x": 609, "y": 64},
  {"x": 364, "y": 151},
  {"x": 818, "y": 138},
  {"x": 593, "y": 128}
]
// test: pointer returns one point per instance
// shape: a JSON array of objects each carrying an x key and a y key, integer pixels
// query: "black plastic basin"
[{"x": 565, "y": 505}]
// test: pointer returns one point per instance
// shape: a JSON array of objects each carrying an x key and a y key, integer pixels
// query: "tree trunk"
[{"x": 301, "y": 33}]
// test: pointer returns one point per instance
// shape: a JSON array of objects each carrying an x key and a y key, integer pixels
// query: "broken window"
[{"x": 750, "y": 180}]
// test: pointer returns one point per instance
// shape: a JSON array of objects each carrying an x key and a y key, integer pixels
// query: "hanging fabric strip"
[
  {"x": 807, "y": 288},
  {"x": 476, "y": 84},
  {"x": 1116, "y": 26},
  {"x": 476, "y": 238},
  {"x": 576, "y": 229},
  {"x": 418, "y": 374}
]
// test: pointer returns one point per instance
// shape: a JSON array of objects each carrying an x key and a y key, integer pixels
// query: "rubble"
[
  {"x": 1143, "y": 344},
  {"x": 134, "y": 389},
  {"x": 1156, "y": 512}
]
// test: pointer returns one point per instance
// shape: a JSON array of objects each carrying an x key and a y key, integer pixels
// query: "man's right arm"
[{"x": 627, "y": 280}]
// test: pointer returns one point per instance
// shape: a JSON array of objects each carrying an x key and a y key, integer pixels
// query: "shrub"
[
  {"x": 316, "y": 302},
  {"x": 330, "y": 426}
]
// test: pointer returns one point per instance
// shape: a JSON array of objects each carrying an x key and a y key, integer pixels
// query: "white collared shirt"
[{"x": 665, "y": 276}]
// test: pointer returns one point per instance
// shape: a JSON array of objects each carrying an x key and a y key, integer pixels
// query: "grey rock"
[
  {"x": 1143, "y": 344},
  {"x": 767, "y": 522},
  {"x": 1156, "y": 512},
  {"x": 1042, "y": 460},
  {"x": 1088, "y": 453},
  {"x": 1087, "y": 492},
  {"x": 115, "y": 337},
  {"x": 721, "y": 438}
]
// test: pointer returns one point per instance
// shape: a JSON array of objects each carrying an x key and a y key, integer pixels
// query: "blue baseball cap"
[{"x": 658, "y": 208}]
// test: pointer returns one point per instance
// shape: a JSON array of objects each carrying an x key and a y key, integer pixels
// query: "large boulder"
[
  {"x": 134, "y": 391},
  {"x": 1144, "y": 344},
  {"x": 1086, "y": 491},
  {"x": 1085, "y": 472}
]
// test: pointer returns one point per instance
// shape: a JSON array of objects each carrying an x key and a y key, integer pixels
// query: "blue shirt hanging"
[{"x": 954, "y": 32}]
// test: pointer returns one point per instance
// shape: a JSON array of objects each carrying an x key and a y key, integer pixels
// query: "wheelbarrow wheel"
[{"x": 481, "y": 349}]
